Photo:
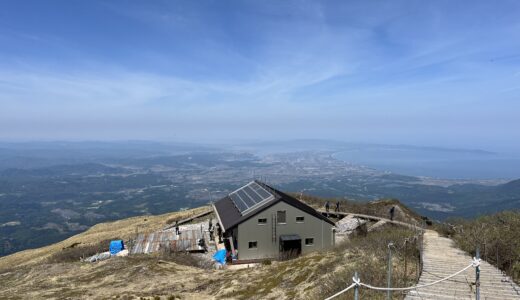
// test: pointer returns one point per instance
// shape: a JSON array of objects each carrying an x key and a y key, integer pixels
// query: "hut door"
[{"x": 290, "y": 246}]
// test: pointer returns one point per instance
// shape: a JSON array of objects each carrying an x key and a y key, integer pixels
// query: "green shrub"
[
  {"x": 369, "y": 257},
  {"x": 497, "y": 236},
  {"x": 266, "y": 262}
]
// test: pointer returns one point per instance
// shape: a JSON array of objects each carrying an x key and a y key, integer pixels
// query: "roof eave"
[{"x": 218, "y": 217}]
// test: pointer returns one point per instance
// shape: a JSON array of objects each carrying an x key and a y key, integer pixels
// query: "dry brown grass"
[
  {"x": 124, "y": 229},
  {"x": 134, "y": 277},
  {"x": 379, "y": 208},
  {"x": 152, "y": 276},
  {"x": 497, "y": 236},
  {"x": 76, "y": 251},
  {"x": 322, "y": 274}
]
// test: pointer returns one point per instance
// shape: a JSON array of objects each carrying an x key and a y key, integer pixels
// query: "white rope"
[
  {"x": 357, "y": 282},
  {"x": 342, "y": 291},
  {"x": 417, "y": 286}
]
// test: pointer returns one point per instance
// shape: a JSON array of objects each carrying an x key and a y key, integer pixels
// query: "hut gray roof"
[{"x": 253, "y": 198}]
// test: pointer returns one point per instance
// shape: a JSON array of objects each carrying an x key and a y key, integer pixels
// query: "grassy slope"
[
  {"x": 380, "y": 208},
  {"x": 29, "y": 274},
  {"x": 322, "y": 274},
  {"x": 123, "y": 229}
]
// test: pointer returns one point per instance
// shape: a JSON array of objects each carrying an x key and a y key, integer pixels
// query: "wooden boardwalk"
[
  {"x": 370, "y": 218},
  {"x": 441, "y": 258},
  {"x": 189, "y": 219}
]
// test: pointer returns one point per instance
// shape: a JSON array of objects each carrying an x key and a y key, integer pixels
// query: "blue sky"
[{"x": 443, "y": 73}]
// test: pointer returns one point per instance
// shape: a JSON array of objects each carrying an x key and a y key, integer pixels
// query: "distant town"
[{"x": 64, "y": 193}]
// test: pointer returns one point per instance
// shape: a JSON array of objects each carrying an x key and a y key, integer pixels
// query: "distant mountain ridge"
[{"x": 512, "y": 186}]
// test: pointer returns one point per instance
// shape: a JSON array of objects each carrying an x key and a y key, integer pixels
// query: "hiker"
[
  {"x": 211, "y": 234},
  {"x": 327, "y": 205},
  {"x": 337, "y": 207},
  {"x": 392, "y": 210},
  {"x": 219, "y": 233},
  {"x": 202, "y": 243},
  {"x": 177, "y": 227},
  {"x": 210, "y": 224}
]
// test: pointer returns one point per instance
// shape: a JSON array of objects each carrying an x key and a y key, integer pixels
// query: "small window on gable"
[
  {"x": 300, "y": 219},
  {"x": 309, "y": 241},
  {"x": 280, "y": 217},
  {"x": 253, "y": 245},
  {"x": 262, "y": 221}
]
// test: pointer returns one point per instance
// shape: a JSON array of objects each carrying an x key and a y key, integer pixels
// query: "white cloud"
[{"x": 306, "y": 69}]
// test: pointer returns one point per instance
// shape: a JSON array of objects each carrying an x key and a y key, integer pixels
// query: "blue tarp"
[
  {"x": 220, "y": 256},
  {"x": 116, "y": 246}
]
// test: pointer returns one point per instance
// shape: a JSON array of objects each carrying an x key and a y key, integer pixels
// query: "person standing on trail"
[
  {"x": 211, "y": 234},
  {"x": 392, "y": 210},
  {"x": 210, "y": 224},
  {"x": 337, "y": 207},
  {"x": 177, "y": 227},
  {"x": 327, "y": 205},
  {"x": 219, "y": 233}
]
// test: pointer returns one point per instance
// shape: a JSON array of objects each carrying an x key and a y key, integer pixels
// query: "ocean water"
[{"x": 438, "y": 163}]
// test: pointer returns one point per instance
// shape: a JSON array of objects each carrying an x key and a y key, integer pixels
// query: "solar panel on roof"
[
  {"x": 247, "y": 200},
  {"x": 251, "y": 193},
  {"x": 239, "y": 203},
  {"x": 250, "y": 197}
]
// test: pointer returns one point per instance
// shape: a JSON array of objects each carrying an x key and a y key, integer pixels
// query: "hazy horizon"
[
  {"x": 439, "y": 74},
  {"x": 218, "y": 142}
]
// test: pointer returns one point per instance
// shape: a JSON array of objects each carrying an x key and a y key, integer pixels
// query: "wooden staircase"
[{"x": 441, "y": 259}]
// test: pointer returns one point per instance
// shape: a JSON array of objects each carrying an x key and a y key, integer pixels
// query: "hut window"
[
  {"x": 262, "y": 221},
  {"x": 309, "y": 241},
  {"x": 300, "y": 219},
  {"x": 253, "y": 245},
  {"x": 280, "y": 216}
]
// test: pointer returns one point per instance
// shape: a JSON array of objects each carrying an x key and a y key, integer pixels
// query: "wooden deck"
[{"x": 187, "y": 240}]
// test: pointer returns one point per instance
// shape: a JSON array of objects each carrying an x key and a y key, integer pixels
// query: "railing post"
[
  {"x": 356, "y": 288},
  {"x": 421, "y": 252},
  {"x": 389, "y": 292},
  {"x": 477, "y": 276},
  {"x": 405, "y": 255}
]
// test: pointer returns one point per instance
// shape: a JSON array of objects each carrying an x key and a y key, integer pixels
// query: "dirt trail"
[{"x": 441, "y": 258}]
